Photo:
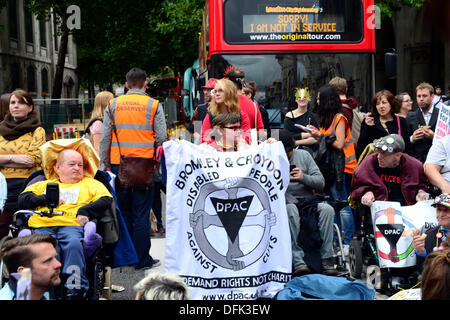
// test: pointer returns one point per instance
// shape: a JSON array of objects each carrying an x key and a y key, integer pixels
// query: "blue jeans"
[
  {"x": 346, "y": 213},
  {"x": 70, "y": 249},
  {"x": 135, "y": 205}
]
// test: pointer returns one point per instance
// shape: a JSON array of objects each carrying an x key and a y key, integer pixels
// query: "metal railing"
[{"x": 68, "y": 111}]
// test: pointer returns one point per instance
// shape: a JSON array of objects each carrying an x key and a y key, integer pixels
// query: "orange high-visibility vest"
[
  {"x": 349, "y": 147},
  {"x": 134, "y": 116}
]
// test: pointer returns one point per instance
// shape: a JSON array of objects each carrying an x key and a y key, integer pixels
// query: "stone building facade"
[
  {"x": 29, "y": 54},
  {"x": 421, "y": 39}
]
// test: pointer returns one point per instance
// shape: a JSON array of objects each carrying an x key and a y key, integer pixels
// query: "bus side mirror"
[{"x": 390, "y": 63}]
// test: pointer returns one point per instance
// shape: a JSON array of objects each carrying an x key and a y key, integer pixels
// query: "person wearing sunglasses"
[{"x": 225, "y": 134}]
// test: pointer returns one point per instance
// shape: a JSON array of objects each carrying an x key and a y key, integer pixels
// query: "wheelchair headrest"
[{"x": 50, "y": 150}]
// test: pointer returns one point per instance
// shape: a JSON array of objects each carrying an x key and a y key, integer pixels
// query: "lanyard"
[{"x": 442, "y": 234}]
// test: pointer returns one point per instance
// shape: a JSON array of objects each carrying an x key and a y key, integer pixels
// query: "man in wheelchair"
[
  {"x": 389, "y": 174},
  {"x": 81, "y": 199}
]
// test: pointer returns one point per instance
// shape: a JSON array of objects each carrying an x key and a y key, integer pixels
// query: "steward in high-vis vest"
[
  {"x": 135, "y": 116},
  {"x": 140, "y": 127},
  {"x": 349, "y": 148}
]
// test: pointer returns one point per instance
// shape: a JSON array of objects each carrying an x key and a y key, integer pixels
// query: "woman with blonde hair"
[
  {"x": 225, "y": 100},
  {"x": 95, "y": 126}
]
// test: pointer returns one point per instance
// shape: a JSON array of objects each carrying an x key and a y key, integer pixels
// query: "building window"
[
  {"x": 28, "y": 25},
  {"x": 44, "y": 80},
  {"x": 43, "y": 33},
  {"x": 55, "y": 32},
  {"x": 15, "y": 76},
  {"x": 31, "y": 79},
  {"x": 13, "y": 26}
]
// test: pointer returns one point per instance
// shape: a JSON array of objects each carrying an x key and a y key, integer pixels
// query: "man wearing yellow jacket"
[
  {"x": 140, "y": 127},
  {"x": 81, "y": 199}
]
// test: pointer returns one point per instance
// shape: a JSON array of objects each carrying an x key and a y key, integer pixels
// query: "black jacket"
[
  {"x": 430, "y": 244},
  {"x": 309, "y": 237},
  {"x": 420, "y": 148},
  {"x": 370, "y": 133}
]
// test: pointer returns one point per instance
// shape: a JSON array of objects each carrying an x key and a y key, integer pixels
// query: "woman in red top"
[{"x": 225, "y": 100}]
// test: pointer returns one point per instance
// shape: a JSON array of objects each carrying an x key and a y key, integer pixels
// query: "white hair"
[{"x": 157, "y": 286}]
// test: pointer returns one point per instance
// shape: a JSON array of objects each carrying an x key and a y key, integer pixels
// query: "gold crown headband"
[{"x": 302, "y": 93}]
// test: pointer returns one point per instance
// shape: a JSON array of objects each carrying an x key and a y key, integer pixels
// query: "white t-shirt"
[{"x": 439, "y": 154}]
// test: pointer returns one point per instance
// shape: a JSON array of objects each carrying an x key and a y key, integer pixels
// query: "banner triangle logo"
[
  {"x": 392, "y": 233},
  {"x": 232, "y": 213}
]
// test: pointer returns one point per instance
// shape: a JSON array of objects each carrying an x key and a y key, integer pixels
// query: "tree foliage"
[
  {"x": 177, "y": 26},
  {"x": 153, "y": 35},
  {"x": 387, "y": 7}
]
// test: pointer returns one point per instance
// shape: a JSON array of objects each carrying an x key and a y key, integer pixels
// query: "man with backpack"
[{"x": 349, "y": 106}]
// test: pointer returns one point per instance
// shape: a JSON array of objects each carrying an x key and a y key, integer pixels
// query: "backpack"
[
  {"x": 86, "y": 134},
  {"x": 355, "y": 125},
  {"x": 322, "y": 287}
]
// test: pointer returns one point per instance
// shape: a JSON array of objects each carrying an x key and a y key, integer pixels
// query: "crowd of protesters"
[{"x": 390, "y": 140}]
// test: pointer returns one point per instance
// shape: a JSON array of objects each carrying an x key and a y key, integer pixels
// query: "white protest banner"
[
  {"x": 443, "y": 123},
  {"x": 227, "y": 227},
  {"x": 394, "y": 228}
]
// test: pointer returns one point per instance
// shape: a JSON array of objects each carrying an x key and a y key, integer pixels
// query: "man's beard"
[{"x": 426, "y": 106}]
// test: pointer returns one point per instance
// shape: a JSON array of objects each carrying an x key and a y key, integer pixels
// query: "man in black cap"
[{"x": 307, "y": 180}]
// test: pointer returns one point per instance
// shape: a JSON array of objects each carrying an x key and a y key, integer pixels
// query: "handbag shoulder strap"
[
  {"x": 256, "y": 114},
  {"x": 113, "y": 123},
  {"x": 398, "y": 124}
]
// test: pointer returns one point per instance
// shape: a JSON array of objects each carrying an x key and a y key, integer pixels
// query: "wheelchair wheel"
[
  {"x": 356, "y": 258},
  {"x": 98, "y": 280},
  {"x": 3, "y": 272}
]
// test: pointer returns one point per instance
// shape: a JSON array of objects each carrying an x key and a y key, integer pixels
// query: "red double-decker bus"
[{"x": 285, "y": 44}]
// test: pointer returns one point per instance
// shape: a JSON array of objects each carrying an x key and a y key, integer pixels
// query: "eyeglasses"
[
  {"x": 214, "y": 91},
  {"x": 234, "y": 128},
  {"x": 443, "y": 210},
  {"x": 407, "y": 101}
]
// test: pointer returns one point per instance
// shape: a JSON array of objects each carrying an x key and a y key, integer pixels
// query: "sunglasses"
[{"x": 235, "y": 128}]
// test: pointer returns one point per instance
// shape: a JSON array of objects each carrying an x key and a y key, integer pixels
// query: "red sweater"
[
  {"x": 249, "y": 107},
  {"x": 365, "y": 179}
]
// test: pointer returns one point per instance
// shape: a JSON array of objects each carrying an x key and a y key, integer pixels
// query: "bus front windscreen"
[
  {"x": 293, "y": 21},
  {"x": 277, "y": 76}
]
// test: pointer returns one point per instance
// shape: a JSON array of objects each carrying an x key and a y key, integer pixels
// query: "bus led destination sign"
[
  {"x": 293, "y": 21},
  {"x": 284, "y": 23}
]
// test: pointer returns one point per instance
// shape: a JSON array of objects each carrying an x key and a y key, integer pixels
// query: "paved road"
[{"x": 128, "y": 277}]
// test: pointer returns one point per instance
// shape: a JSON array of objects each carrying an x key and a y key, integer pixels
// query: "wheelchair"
[
  {"x": 342, "y": 265},
  {"x": 96, "y": 263},
  {"x": 363, "y": 252}
]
